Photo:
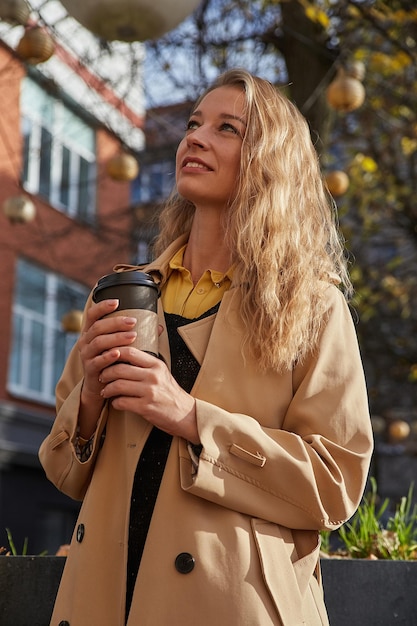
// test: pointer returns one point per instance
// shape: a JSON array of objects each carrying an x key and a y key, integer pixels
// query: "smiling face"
[{"x": 208, "y": 158}]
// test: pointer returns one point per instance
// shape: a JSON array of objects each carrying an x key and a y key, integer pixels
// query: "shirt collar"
[{"x": 176, "y": 263}]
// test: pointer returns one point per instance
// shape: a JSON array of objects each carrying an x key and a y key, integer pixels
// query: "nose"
[{"x": 198, "y": 137}]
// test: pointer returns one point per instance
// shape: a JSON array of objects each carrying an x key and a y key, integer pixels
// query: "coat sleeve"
[
  {"x": 57, "y": 452},
  {"x": 310, "y": 472}
]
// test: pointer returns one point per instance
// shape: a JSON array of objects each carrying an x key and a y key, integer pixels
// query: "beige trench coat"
[{"x": 283, "y": 456}]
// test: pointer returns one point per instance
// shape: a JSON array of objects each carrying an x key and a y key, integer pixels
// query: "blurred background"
[{"x": 94, "y": 98}]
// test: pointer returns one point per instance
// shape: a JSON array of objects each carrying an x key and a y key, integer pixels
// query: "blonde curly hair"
[{"x": 281, "y": 228}]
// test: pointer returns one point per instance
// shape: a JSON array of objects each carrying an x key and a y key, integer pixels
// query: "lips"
[{"x": 195, "y": 164}]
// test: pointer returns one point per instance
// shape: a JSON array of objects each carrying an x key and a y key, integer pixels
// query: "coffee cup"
[{"x": 138, "y": 297}]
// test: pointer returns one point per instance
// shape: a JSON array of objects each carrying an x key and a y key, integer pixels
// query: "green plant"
[
  {"x": 403, "y": 527},
  {"x": 12, "y": 545},
  {"x": 12, "y": 551},
  {"x": 365, "y": 536},
  {"x": 325, "y": 541}
]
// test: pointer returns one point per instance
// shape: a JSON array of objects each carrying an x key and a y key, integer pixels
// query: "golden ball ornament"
[
  {"x": 72, "y": 321},
  {"x": 36, "y": 46},
  {"x": 398, "y": 430},
  {"x": 345, "y": 93},
  {"x": 14, "y": 12},
  {"x": 337, "y": 182},
  {"x": 122, "y": 167},
  {"x": 19, "y": 209}
]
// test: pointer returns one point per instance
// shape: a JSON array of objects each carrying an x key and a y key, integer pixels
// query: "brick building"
[{"x": 60, "y": 124}]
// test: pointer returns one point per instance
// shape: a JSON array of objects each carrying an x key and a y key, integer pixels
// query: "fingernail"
[{"x": 130, "y": 320}]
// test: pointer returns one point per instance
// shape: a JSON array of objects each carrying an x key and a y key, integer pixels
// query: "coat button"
[
  {"x": 64, "y": 623},
  {"x": 80, "y": 532},
  {"x": 184, "y": 563}
]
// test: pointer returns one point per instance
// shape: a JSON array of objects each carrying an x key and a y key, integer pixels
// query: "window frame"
[
  {"x": 25, "y": 320},
  {"x": 34, "y": 124}
]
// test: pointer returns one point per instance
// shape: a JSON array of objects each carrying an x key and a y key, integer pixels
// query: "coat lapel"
[{"x": 196, "y": 336}]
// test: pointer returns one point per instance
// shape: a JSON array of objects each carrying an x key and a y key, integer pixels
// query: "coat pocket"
[{"x": 286, "y": 576}]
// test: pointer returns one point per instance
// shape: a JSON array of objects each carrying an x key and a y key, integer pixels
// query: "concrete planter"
[
  {"x": 357, "y": 592},
  {"x": 370, "y": 593},
  {"x": 28, "y": 586}
]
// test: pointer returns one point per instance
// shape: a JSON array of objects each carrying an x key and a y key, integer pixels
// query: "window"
[
  {"x": 155, "y": 182},
  {"x": 40, "y": 346},
  {"x": 59, "y": 159}
]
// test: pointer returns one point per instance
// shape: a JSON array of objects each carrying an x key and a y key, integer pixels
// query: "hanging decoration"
[
  {"x": 337, "y": 182},
  {"x": 19, "y": 209},
  {"x": 398, "y": 430},
  {"x": 14, "y": 12},
  {"x": 72, "y": 321},
  {"x": 130, "y": 20},
  {"x": 122, "y": 167},
  {"x": 345, "y": 93},
  {"x": 36, "y": 45}
]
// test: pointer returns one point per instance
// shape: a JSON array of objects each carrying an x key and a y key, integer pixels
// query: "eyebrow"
[{"x": 224, "y": 116}]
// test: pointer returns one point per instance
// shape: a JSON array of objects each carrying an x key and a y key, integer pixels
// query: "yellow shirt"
[{"x": 181, "y": 297}]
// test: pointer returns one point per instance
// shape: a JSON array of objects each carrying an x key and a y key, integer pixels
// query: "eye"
[
  {"x": 192, "y": 125},
  {"x": 230, "y": 128}
]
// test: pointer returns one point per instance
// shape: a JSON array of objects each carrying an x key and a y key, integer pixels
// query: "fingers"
[
  {"x": 102, "y": 339},
  {"x": 102, "y": 333},
  {"x": 152, "y": 393},
  {"x": 99, "y": 310},
  {"x": 132, "y": 365},
  {"x": 131, "y": 355},
  {"x": 105, "y": 342}
]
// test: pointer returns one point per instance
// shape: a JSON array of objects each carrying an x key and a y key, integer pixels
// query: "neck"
[{"x": 206, "y": 248}]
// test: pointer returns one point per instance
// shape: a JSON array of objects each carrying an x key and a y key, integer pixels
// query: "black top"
[{"x": 152, "y": 461}]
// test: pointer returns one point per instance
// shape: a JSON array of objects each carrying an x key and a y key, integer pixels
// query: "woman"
[{"x": 206, "y": 475}]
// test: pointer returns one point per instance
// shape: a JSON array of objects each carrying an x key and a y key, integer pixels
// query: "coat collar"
[
  {"x": 159, "y": 268},
  {"x": 196, "y": 334}
]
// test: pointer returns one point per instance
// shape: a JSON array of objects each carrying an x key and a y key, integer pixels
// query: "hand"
[
  {"x": 141, "y": 383},
  {"x": 100, "y": 342}
]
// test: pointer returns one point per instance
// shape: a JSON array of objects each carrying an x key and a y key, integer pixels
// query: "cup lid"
[{"x": 131, "y": 277}]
